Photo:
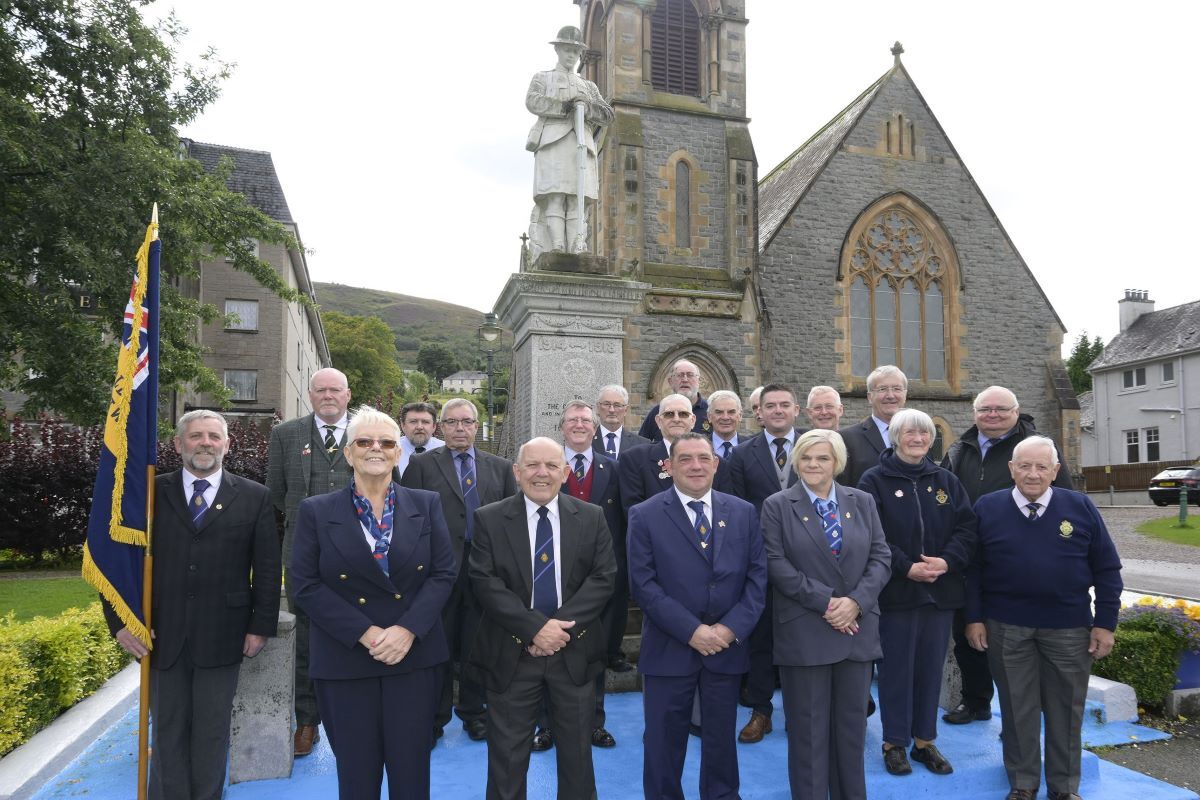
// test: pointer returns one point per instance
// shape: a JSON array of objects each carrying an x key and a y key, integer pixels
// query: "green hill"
[{"x": 414, "y": 320}]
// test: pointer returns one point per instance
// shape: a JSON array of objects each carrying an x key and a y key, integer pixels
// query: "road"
[{"x": 1152, "y": 566}]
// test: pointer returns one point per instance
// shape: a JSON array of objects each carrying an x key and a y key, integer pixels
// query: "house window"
[
  {"x": 1133, "y": 378},
  {"x": 242, "y": 384},
  {"x": 683, "y": 205},
  {"x": 675, "y": 48},
  {"x": 1131, "y": 447},
  {"x": 241, "y": 315},
  {"x": 1168, "y": 372},
  {"x": 1151, "y": 444},
  {"x": 898, "y": 281}
]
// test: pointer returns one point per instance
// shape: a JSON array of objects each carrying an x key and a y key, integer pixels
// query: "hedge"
[
  {"x": 49, "y": 664},
  {"x": 1145, "y": 660}
]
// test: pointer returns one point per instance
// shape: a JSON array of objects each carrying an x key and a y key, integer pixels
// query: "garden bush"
[
  {"x": 48, "y": 665},
  {"x": 1145, "y": 660}
]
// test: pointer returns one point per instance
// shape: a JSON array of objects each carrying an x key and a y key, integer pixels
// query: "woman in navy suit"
[
  {"x": 372, "y": 566},
  {"x": 827, "y": 561}
]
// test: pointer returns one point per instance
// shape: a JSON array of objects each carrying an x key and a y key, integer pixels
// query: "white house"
[
  {"x": 1145, "y": 403},
  {"x": 465, "y": 380}
]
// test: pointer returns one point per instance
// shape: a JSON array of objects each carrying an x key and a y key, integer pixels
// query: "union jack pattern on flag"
[{"x": 118, "y": 528}]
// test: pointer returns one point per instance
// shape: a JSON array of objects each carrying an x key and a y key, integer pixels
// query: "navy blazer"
[
  {"x": 678, "y": 589},
  {"x": 805, "y": 575},
  {"x": 864, "y": 445},
  {"x": 606, "y": 493},
  {"x": 752, "y": 474},
  {"x": 629, "y": 439},
  {"x": 642, "y": 474},
  {"x": 344, "y": 592}
]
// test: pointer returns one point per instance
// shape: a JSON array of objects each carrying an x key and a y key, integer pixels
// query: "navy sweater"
[
  {"x": 924, "y": 511},
  {"x": 1036, "y": 573}
]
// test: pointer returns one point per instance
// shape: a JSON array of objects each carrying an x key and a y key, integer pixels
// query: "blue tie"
[
  {"x": 725, "y": 448},
  {"x": 197, "y": 505},
  {"x": 470, "y": 491},
  {"x": 545, "y": 592},
  {"x": 828, "y": 510},
  {"x": 580, "y": 468},
  {"x": 702, "y": 528},
  {"x": 612, "y": 445}
]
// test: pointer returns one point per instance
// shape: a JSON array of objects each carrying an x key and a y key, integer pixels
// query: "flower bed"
[{"x": 1157, "y": 649}]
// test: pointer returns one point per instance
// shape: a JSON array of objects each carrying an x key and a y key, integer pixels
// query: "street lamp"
[{"x": 489, "y": 338}]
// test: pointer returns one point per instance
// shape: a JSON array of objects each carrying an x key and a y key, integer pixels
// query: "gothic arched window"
[
  {"x": 899, "y": 267},
  {"x": 683, "y": 204},
  {"x": 675, "y": 48}
]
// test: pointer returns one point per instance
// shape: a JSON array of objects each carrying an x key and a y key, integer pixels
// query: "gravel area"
[{"x": 1122, "y": 522}]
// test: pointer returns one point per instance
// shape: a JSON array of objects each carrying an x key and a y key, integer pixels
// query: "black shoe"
[
  {"x": 962, "y": 715},
  {"x": 1022, "y": 794},
  {"x": 476, "y": 730},
  {"x": 932, "y": 758},
  {"x": 602, "y": 738},
  {"x": 1062, "y": 796},
  {"x": 870, "y": 706},
  {"x": 896, "y": 762},
  {"x": 693, "y": 729},
  {"x": 543, "y": 740},
  {"x": 619, "y": 663}
]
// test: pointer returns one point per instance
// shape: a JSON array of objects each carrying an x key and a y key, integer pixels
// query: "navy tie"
[
  {"x": 828, "y": 512},
  {"x": 702, "y": 528},
  {"x": 1033, "y": 509},
  {"x": 725, "y": 448},
  {"x": 580, "y": 467},
  {"x": 780, "y": 453},
  {"x": 612, "y": 445},
  {"x": 197, "y": 505},
  {"x": 470, "y": 491},
  {"x": 545, "y": 591}
]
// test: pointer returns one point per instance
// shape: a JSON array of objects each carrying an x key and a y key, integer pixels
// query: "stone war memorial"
[{"x": 655, "y": 236}]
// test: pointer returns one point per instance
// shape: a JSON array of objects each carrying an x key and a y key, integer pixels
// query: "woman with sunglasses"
[{"x": 372, "y": 567}]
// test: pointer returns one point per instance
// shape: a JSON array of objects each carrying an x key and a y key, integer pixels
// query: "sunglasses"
[
  {"x": 675, "y": 414},
  {"x": 384, "y": 444}
]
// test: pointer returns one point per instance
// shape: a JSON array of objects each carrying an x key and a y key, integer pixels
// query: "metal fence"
[{"x": 1126, "y": 477}]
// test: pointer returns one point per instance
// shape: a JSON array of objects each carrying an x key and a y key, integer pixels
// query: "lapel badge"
[
  {"x": 307, "y": 451},
  {"x": 704, "y": 545},
  {"x": 217, "y": 506},
  {"x": 1065, "y": 530},
  {"x": 707, "y": 426},
  {"x": 721, "y": 523},
  {"x": 941, "y": 497},
  {"x": 899, "y": 493},
  {"x": 848, "y": 515},
  {"x": 806, "y": 519},
  {"x": 929, "y": 488},
  {"x": 662, "y": 476}
]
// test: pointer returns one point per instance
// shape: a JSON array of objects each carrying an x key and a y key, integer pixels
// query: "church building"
[{"x": 870, "y": 244}]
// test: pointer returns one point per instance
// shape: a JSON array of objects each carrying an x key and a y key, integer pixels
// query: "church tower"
[{"x": 678, "y": 180}]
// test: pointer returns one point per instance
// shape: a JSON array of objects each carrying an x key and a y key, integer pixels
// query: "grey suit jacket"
[
  {"x": 864, "y": 445},
  {"x": 436, "y": 471},
  {"x": 804, "y": 575}
]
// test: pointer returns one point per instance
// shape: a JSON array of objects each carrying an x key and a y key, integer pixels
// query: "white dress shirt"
[{"x": 339, "y": 433}]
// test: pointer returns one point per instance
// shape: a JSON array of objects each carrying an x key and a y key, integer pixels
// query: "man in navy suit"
[
  {"x": 642, "y": 470},
  {"x": 698, "y": 570},
  {"x": 887, "y": 392},
  {"x": 612, "y": 437},
  {"x": 760, "y": 467},
  {"x": 684, "y": 379}
]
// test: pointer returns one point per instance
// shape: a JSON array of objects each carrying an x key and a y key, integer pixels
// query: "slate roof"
[
  {"x": 784, "y": 186},
  {"x": 1157, "y": 334},
  {"x": 253, "y": 176},
  {"x": 467, "y": 375}
]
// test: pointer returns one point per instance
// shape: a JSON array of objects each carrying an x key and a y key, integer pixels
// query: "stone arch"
[{"x": 715, "y": 371}]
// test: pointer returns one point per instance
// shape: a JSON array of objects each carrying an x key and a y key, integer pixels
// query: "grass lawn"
[
  {"x": 1168, "y": 529},
  {"x": 43, "y": 596}
]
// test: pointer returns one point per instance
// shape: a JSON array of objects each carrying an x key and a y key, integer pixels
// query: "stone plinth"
[
  {"x": 568, "y": 340},
  {"x": 260, "y": 744}
]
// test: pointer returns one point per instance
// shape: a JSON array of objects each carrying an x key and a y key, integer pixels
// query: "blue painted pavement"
[{"x": 108, "y": 769}]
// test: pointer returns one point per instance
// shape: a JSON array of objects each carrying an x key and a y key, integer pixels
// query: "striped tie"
[
  {"x": 1033, "y": 509},
  {"x": 469, "y": 491},
  {"x": 780, "y": 453},
  {"x": 828, "y": 512},
  {"x": 702, "y": 528},
  {"x": 197, "y": 504},
  {"x": 545, "y": 590},
  {"x": 580, "y": 467},
  {"x": 330, "y": 442}
]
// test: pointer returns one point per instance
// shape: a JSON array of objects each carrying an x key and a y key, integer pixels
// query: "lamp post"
[{"x": 489, "y": 337}]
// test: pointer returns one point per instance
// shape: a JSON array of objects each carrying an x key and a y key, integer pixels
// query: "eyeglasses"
[
  {"x": 687, "y": 374},
  {"x": 822, "y": 409},
  {"x": 674, "y": 414},
  {"x": 577, "y": 421},
  {"x": 994, "y": 409},
  {"x": 888, "y": 390},
  {"x": 458, "y": 423},
  {"x": 365, "y": 442},
  {"x": 613, "y": 406}
]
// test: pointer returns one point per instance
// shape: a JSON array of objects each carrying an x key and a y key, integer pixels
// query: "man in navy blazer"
[
  {"x": 612, "y": 437},
  {"x": 642, "y": 469},
  {"x": 698, "y": 570}
]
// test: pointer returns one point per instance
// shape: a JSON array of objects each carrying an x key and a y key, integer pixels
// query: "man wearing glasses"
[
  {"x": 683, "y": 379},
  {"x": 466, "y": 479},
  {"x": 824, "y": 409},
  {"x": 980, "y": 461},
  {"x": 887, "y": 392},
  {"x": 611, "y": 437}
]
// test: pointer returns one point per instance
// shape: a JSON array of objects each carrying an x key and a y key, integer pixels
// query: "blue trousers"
[
  {"x": 914, "y": 643},
  {"x": 667, "y": 701}
]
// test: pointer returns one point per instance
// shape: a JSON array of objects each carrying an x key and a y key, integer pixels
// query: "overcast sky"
[{"x": 399, "y": 134}]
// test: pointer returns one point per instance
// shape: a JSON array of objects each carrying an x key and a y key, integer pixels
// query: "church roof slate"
[
  {"x": 253, "y": 176},
  {"x": 1156, "y": 334},
  {"x": 786, "y": 185}
]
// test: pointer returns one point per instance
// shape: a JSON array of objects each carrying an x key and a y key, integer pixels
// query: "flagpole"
[{"x": 147, "y": 592}]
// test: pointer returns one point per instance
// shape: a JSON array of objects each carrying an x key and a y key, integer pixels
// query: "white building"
[
  {"x": 1146, "y": 387},
  {"x": 465, "y": 380}
]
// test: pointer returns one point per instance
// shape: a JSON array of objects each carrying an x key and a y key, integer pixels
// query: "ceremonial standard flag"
[{"x": 118, "y": 527}]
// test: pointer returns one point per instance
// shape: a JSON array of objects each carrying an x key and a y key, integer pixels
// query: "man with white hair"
[
  {"x": 979, "y": 459},
  {"x": 1042, "y": 552},
  {"x": 887, "y": 392},
  {"x": 684, "y": 379},
  {"x": 612, "y": 404},
  {"x": 824, "y": 409},
  {"x": 724, "y": 417}
]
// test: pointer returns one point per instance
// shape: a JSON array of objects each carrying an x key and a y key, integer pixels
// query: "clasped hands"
[
  {"x": 928, "y": 569},
  {"x": 551, "y": 638},
  {"x": 388, "y": 645},
  {"x": 842, "y": 614},
  {"x": 709, "y": 640}
]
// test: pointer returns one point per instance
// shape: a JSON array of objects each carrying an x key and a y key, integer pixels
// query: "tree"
[
  {"x": 365, "y": 349},
  {"x": 1082, "y": 355},
  {"x": 90, "y": 103},
  {"x": 436, "y": 361}
]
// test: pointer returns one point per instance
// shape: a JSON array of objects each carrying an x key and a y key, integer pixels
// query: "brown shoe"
[
  {"x": 306, "y": 736},
  {"x": 758, "y": 727}
]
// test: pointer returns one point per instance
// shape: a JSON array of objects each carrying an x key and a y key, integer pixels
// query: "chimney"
[{"x": 1136, "y": 303}]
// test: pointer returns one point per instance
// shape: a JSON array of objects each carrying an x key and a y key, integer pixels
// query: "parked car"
[{"x": 1166, "y": 485}]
